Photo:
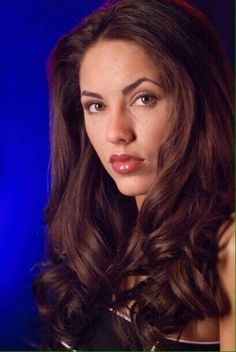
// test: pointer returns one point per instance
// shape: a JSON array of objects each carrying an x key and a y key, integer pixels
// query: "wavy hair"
[{"x": 97, "y": 238}]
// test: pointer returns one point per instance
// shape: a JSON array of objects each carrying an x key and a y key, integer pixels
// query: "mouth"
[{"x": 125, "y": 163}]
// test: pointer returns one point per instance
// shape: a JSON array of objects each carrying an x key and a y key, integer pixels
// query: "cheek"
[
  {"x": 153, "y": 136},
  {"x": 90, "y": 131},
  {"x": 95, "y": 138},
  {"x": 90, "y": 136}
]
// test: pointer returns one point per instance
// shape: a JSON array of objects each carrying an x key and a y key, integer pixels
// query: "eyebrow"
[{"x": 125, "y": 90}]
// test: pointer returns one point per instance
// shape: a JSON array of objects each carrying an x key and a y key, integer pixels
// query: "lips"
[{"x": 125, "y": 163}]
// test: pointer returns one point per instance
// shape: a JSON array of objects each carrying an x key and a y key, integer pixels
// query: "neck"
[{"x": 139, "y": 201}]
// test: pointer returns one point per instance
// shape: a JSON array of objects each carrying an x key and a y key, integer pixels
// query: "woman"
[{"x": 139, "y": 219}]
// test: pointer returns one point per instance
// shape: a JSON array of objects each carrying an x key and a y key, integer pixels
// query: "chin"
[{"x": 132, "y": 189}]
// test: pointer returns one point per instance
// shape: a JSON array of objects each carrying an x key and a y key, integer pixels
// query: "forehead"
[{"x": 111, "y": 61}]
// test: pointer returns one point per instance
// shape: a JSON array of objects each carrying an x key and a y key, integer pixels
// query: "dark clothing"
[{"x": 106, "y": 339}]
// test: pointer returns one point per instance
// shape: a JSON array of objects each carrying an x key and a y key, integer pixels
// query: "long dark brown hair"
[{"x": 97, "y": 238}]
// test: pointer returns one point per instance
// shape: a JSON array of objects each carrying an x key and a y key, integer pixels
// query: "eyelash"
[
  {"x": 89, "y": 104},
  {"x": 145, "y": 95}
]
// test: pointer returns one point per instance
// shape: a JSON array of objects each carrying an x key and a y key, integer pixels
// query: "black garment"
[{"x": 106, "y": 339}]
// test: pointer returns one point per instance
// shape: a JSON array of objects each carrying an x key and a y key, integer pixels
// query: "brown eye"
[
  {"x": 145, "y": 99},
  {"x": 98, "y": 107},
  {"x": 95, "y": 107}
]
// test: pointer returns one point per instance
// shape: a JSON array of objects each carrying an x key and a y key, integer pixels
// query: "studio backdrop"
[{"x": 29, "y": 31}]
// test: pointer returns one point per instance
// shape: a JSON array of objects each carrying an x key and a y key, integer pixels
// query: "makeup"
[{"x": 125, "y": 163}]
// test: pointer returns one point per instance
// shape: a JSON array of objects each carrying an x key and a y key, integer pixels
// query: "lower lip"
[{"x": 127, "y": 167}]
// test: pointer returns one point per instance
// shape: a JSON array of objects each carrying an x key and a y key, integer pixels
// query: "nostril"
[
  {"x": 118, "y": 136},
  {"x": 120, "y": 130}
]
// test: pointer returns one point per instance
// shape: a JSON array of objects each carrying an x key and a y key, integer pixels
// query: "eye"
[
  {"x": 145, "y": 99},
  {"x": 94, "y": 107}
]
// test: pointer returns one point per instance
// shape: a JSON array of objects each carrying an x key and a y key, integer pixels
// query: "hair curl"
[{"x": 97, "y": 238}]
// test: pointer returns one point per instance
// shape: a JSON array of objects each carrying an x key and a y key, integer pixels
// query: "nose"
[{"x": 120, "y": 127}]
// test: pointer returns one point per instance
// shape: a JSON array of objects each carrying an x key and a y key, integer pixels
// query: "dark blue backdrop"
[{"x": 29, "y": 30}]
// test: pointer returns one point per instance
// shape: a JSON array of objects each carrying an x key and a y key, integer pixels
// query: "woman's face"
[{"x": 126, "y": 112}]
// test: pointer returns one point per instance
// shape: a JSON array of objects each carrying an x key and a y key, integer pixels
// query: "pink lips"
[{"x": 125, "y": 163}]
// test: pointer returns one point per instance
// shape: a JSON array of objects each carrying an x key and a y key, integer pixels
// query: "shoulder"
[
  {"x": 226, "y": 256},
  {"x": 226, "y": 272},
  {"x": 226, "y": 245}
]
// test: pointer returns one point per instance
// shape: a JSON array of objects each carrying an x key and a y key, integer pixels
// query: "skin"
[
  {"x": 121, "y": 120},
  {"x": 226, "y": 271},
  {"x": 131, "y": 113}
]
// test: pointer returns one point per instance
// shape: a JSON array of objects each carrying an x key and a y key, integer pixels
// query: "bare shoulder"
[
  {"x": 226, "y": 231},
  {"x": 226, "y": 259},
  {"x": 226, "y": 272}
]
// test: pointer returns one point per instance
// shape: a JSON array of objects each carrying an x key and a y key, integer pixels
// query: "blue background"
[{"x": 29, "y": 30}]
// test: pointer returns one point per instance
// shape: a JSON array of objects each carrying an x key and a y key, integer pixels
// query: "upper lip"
[{"x": 124, "y": 157}]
